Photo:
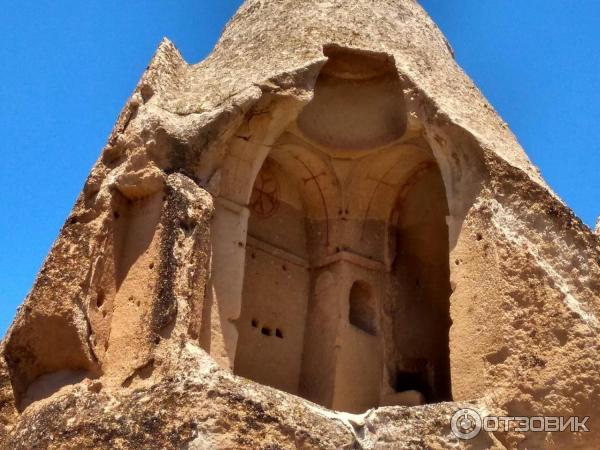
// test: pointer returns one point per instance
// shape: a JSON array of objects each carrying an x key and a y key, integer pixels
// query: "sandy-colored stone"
[{"x": 131, "y": 332}]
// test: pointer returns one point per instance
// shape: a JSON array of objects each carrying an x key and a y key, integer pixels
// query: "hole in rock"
[
  {"x": 364, "y": 300},
  {"x": 362, "y": 309},
  {"x": 100, "y": 299}
]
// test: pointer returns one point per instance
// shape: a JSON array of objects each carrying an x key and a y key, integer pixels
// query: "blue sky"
[{"x": 69, "y": 66}]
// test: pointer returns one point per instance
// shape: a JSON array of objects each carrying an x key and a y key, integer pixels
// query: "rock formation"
[{"x": 321, "y": 236}]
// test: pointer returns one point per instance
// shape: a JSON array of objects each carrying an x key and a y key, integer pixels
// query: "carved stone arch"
[
  {"x": 319, "y": 188},
  {"x": 297, "y": 202},
  {"x": 289, "y": 214},
  {"x": 417, "y": 335},
  {"x": 244, "y": 154},
  {"x": 235, "y": 167},
  {"x": 373, "y": 186}
]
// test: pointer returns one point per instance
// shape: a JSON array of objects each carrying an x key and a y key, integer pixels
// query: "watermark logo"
[{"x": 467, "y": 424}]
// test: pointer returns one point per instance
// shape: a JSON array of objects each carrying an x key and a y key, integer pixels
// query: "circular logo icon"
[{"x": 466, "y": 424}]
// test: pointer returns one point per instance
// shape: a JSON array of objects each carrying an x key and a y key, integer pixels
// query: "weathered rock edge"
[{"x": 521, "y": 250}]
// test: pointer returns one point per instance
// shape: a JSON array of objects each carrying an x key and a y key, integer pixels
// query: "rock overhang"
[{"x": 179, "y": 120}]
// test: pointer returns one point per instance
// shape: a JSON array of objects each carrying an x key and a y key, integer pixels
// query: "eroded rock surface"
[{"x": 328, "y": 206}]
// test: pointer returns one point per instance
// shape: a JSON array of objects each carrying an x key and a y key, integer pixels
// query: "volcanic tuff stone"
[{"x": 125, "y": 340}]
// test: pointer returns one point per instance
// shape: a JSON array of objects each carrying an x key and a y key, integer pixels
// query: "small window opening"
[
  {"x": 100, "y": 299},
  {"x": 411, "y": 381},
  {"x": 414, "y": 376},
  {"x": 362, "y": 309},
  {"x": 266, "y": 331},
  {"x": 278, "y": 333},
  {"x": 254, "y": 323}
]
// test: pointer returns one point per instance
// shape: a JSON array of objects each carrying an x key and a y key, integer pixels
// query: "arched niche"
[
  {"x": 330, "y": 256},
  {"x": 359, "y": 359},
  {"x": 276, "y": 281},
  {"x": 362, "y": 308},
  {"x": 417, "y": 344},
  {"x": 288, "y": 228}
]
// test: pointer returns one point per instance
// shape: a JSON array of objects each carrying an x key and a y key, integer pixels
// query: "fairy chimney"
[{"x": 321, "y": 236}]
